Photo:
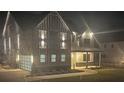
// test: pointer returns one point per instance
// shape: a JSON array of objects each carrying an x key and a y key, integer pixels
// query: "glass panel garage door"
[{"x": 25, "y": 62}]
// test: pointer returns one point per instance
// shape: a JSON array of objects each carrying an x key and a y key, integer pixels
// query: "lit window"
[
  {"x": 42, "y": 44},
  {"x": 42, "y": 58},
  {"x": 53, "y": 58},
  {"x": 63, "y": 45},
  {"x": 42, "y": 34},
  {"x": 63, "y": 36},
  {"x": 63, "y": 58}
]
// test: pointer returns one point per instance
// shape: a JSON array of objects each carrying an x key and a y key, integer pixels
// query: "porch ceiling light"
[
  {"x": 83, "y": 34},
  {"x": 74, "y": 33},
  {"x": 91, "y": 34}
]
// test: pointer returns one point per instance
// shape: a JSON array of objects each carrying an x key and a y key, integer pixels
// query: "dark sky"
[{"x": 99, "y": 21}]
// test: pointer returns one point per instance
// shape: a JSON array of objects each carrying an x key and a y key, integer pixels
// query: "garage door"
[{"x": 25, "y": 62}]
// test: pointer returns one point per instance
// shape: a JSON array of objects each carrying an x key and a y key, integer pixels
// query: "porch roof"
[{"x": 87, "y": 50}]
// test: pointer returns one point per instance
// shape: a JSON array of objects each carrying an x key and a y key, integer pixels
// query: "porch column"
[
  {"x": 99, "y": 58},
  {"x": 87, "y": 60},
  {"x": 5, "y": 46}
]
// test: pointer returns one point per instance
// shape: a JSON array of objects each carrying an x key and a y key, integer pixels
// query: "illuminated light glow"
[
  {"x": 74, "y": 33},
  {"x": 63, "y": 44},
  {"x": 63, "y": 37},
  {"x": 9, "y": 43},
  {"x": 5, "y": 45},
  {"x": 72, "y": 55},
  {"x": 32, "y": 59},
  {"x": 17, "y": 58},
  {"x": 83, "y": 34},
  {"x": 18, "y": 41},
  {"x": 91, "y": 34},
  {"x": 42, "y": 36}
]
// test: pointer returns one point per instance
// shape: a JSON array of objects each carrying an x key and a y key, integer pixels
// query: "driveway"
[
  {"x": 47, "y": 77},
  {"x": 12, "y": 75}
]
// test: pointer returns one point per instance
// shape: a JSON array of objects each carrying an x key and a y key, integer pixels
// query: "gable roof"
[
  {"x": 5, "y": 26},
  {"x": 59, "y": 16},
  {"x": 10, "y": 22},
  {"x": 110, "y": 37}
]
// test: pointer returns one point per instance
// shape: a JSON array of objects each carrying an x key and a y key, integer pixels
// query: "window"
[
  {"x": 42, "y": 44},
  {"x": 42, "y": 58},
  {"x": 63, "y": 58},
  {"x": 63, "y": 36},
  {"x": 63, "y": 45},
  {"x": 53, "y": 58},
  {"x": 87, "y": 42},
  {"x": 88, "y": 57},
  {"x": 42, "y": 36},
  {"x": 85, "y": 57}
]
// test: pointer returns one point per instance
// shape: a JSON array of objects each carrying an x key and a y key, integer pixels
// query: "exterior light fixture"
[{"x": 32, "y": 59}]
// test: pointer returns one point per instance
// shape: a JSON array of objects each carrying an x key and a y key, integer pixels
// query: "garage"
[{"x": 25, "y": 62}]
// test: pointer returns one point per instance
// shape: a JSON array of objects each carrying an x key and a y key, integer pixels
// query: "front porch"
[{"x": 85, "y": 59}]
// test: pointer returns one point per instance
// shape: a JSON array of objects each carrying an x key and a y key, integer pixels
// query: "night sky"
[{"x": 97, "y": 21}]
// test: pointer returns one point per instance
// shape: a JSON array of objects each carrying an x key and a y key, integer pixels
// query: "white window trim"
[
  {"x": 62, "y": 58},
  {"x": 42, "y": 58},
  {"x": 91, "y": 59},
  {"x": 53, "y": 58}
]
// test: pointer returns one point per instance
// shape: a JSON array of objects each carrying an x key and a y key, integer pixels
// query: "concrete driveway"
[{"x": 12, "y": 75}]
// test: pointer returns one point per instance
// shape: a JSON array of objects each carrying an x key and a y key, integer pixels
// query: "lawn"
[{"x": 103, "y": 75}]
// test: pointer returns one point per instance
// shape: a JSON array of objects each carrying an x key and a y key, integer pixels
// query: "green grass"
[{"x": 103, "y": 75}]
